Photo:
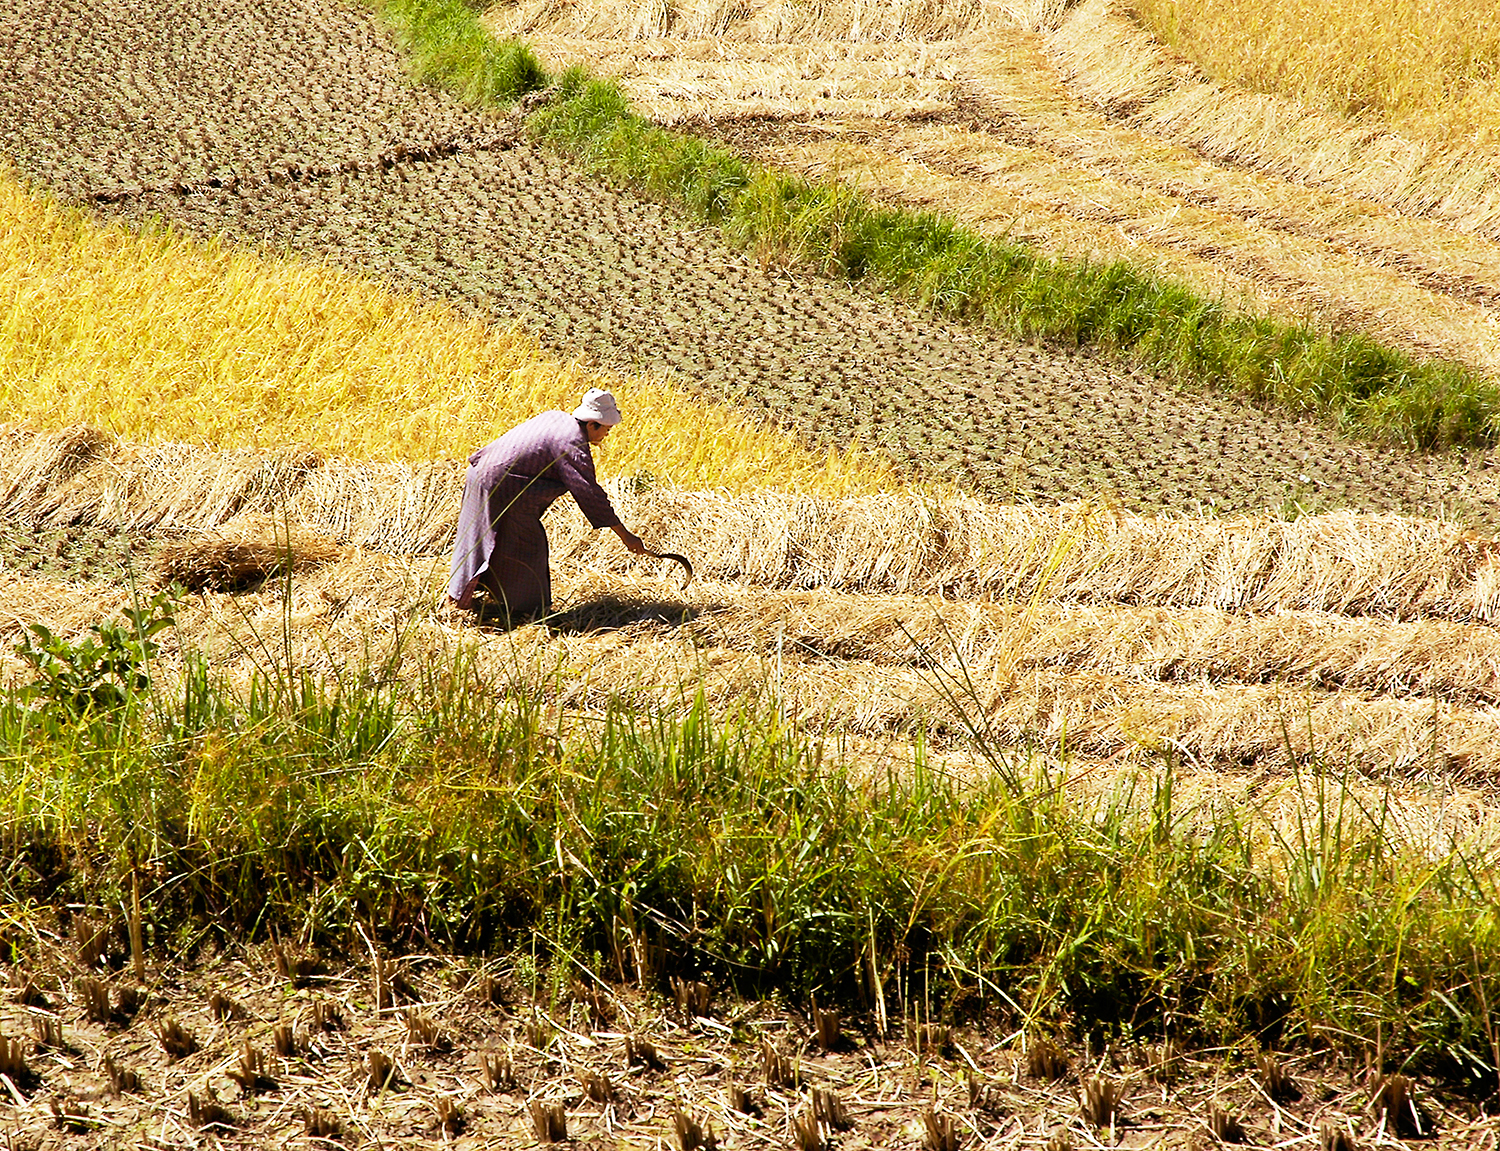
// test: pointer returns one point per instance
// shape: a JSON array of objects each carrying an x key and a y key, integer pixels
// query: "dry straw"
[
  {"x": 1340, "y": 562},
  {"x": 1359, "y": 639},
  {"x": 736, "y": 20},
  {"x": 1116, "y": 63}
]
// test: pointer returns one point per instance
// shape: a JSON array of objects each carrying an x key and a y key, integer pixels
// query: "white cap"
[{"x": 600, "y": 406}]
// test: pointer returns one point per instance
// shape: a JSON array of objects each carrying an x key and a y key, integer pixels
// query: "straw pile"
[
  {"x": 81, "y": 475},
  {"x": 1456, "y": 662},
  {"x": 1341, "y": 562},
  {"x": 252, "y": 548}
]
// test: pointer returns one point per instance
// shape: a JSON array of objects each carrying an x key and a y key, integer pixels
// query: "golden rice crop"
[
  {"x": 1431, "y": 66},
  {"x": 157, "y": 339}
]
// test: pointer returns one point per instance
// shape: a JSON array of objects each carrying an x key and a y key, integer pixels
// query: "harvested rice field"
[
  {"x": 1257, "y": 644},
  {"x": 1114, "y": 582},
  {"x": 1068, "y": 126},
  {"x": 460, "y": 206},
  {"x": 291, "y": 1049},
  {"x": 1097, "y": 643}
]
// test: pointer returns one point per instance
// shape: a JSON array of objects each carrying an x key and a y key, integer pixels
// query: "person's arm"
[
  {"x": 574, "y": 467},
  {"x": 630, "y": 539}
]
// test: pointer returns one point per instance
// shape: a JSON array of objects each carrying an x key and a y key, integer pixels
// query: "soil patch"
[{"x": 78, "y": 554}]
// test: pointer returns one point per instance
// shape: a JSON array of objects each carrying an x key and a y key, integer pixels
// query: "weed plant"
[
  {"x": 1368, "y": 389},
  {"x": 415, "y": 801}
]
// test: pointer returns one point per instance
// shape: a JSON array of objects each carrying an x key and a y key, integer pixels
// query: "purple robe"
[{"x": 509, "y": 484}]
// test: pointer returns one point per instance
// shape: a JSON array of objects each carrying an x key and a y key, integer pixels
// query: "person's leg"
[{"x": 519, "y": 578}]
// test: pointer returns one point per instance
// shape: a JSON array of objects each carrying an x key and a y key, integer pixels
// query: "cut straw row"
[
  {"x": 370, "y": 610},
  {"x": 905, "y": 543}
]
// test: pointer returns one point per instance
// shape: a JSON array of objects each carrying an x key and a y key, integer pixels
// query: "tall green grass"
[
  {"x": 417, "y": 802},
  {"x": 446, "y": 45},
  {"x": 1365, "y": 388}
]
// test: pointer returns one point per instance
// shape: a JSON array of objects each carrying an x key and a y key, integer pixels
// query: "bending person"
[{"x": 501, "y": 542}]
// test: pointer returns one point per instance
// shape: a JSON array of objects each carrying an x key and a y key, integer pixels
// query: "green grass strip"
[
  {"x": 447, "y": 46},
  {"x": 422, "y": 802},
  {"x": 1364, "y": 387}
]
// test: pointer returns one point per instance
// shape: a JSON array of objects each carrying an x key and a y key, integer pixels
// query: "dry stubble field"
[{"x": 1242, "y": 644}]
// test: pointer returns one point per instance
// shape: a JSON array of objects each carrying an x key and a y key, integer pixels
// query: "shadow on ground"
[{"x": 606, "y": 613}]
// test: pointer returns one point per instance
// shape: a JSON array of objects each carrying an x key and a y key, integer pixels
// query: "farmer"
[{"x": 501, "y": 542}]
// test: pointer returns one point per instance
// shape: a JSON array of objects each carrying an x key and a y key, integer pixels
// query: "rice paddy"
[
  {"x": 1041, "y": 755},
  {"x": 1071, "y": 128}
]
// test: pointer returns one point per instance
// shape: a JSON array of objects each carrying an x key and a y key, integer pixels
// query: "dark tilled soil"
[
  {"x": 294, "y": 126},
  {"x": 471, "y": 1049},
  {"x": 77, "y": 554}
]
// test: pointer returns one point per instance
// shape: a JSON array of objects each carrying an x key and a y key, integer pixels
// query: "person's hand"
[{"x": 631, "y": 541}]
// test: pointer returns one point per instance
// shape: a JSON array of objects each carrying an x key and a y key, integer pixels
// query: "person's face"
[{"x": 597, "y": 431}]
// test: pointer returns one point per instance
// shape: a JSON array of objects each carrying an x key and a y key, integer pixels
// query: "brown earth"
[
  {"x": 76, "y": 554},
  {"x": 473, "y": 1046},
  {"x": 245, "y": 140}
]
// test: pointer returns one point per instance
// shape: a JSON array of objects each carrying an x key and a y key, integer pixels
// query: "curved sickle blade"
[{"x": 687, "y": 568}]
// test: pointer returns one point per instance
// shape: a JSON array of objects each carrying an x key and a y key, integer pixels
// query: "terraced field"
[
  {"x": 1068, "y": 126},
  {"x": 1098, "y": 645},
  {"x": 1096, "y": 630},
  {"x": 461, "y": 207}
]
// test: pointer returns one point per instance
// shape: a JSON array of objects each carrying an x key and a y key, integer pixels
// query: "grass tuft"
[{"x": 447, "y": 46}]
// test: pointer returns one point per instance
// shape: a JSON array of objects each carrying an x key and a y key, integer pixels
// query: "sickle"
[{"x": 687, "y": 568}]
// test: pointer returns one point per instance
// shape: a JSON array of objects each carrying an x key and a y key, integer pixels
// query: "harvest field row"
[{"x": 1075, "y": 627}]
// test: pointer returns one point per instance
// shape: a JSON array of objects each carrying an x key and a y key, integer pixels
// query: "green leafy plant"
[{"x": 103, "y": 670}]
